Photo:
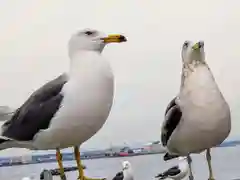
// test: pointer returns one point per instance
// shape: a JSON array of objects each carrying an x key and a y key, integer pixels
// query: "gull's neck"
[
  {"x": 83, "y": 61},
  {"x": 200, "y": 88},
  {"x": 189, "y": 68}
]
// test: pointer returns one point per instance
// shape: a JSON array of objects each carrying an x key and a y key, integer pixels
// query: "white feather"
[{"x": 88, "y": 97}]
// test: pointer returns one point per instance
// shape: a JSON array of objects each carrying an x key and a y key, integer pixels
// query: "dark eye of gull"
[
  {"x": 186, "y": 43},
  {"x": 201, "y": 44},
  {"x": 89, "y": 33}
]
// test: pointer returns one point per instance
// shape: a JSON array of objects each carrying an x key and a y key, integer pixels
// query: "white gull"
[
  {"x": 70, "y": 109},
  {"x": 199, "y": 117}
]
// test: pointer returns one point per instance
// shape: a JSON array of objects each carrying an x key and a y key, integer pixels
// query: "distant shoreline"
[
  {"x": 113, "y": 152},
  {"x": 50, "y": 159}
]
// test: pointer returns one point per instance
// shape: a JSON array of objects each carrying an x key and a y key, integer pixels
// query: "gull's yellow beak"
[
  {"x": 114, "y": 38},
  {"x": 196, "y": 46}
]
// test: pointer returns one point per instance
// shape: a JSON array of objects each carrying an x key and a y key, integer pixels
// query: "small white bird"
[
  {"x": 28, "y": 178},
  {"x": 177, "y": 172},
  {"x": 126, "y": 173},
  {"x": 199, "y": 117},
  {"x": 46, "y": 174}
]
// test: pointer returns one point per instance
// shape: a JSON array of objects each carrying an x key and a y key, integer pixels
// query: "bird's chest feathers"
[
  {"x": 200, "y": 88},
  {"x": 88, "y": 94},
  {"x": 90, "y": 79},
  {"x": 200, "y": 96}
]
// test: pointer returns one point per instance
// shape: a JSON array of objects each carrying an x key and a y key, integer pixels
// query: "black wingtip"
[
  {"x": 159, "y": 176},
  {"x": 3, "y": 140},
  {"x": 168, "y": 156}
]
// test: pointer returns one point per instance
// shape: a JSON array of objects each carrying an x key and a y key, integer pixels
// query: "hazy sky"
[{"x": 34, "y": 36}]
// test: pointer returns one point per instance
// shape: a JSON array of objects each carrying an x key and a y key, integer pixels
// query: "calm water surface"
[{"x": 225, "y": 165}]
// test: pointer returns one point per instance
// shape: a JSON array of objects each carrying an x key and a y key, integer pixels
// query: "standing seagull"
[
  {"x": 177, "y": 172},
  {"x": 70, "y": 109},
  {"x": 199, "y": 117},
  {"x": 126, "y": 173}
]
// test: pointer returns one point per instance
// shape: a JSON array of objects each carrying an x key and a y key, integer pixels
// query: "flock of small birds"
[
  {"x": 70, "y": 109},
  {"x": 176, "y": 172}
]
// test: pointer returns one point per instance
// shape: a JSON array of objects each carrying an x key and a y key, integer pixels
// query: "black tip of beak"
[{"x": 122, "y": 38}]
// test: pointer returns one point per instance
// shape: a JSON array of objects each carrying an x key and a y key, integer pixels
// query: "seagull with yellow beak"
[
  {"x": 70, "y": 109},
  {"x": 199, "y": 117}
]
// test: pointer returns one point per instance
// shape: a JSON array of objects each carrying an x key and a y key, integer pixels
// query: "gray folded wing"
[
  {"x": 173, "y": 116},
  {"x": 170, "y": 172},
  {"x": 170, "y": 105},
  {"x": 36, "y": 113},
  {"x": 119, "y": 176}
]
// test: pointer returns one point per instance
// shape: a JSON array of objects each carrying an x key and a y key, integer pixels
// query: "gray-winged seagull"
[
  {"x": 176, "y": 172},
  {"x": 198, "y": 118},
  {"x": 70, "y": 109},
  {"x": 126, "y": 173}
]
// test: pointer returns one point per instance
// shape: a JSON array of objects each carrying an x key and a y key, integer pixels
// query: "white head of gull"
[
  {"x": 126, "y": 173},
  {"x": 198, "y": 118},
  {"x": 70, "y": 109}
]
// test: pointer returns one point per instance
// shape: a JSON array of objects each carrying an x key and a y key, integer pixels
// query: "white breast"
[
  {"x": 201, "y": 99},
  {"x": 206, "y": 119},
  {"x": 88, "y": 97}
]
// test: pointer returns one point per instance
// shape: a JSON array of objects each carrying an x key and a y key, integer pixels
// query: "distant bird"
[
  {"x": 56, "y": 172},
  {"x": 126, "y": 173},
  {"x": 28, "y": 178},
  {"x": 177, "y": 172},
  {"x": 70, "y": 109},
  {"x": 198, "y": 118},
  {"x": 46, "y": 175}
]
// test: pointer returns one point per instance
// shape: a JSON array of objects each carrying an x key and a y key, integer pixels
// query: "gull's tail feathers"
[{"x": 6, "y": 143}]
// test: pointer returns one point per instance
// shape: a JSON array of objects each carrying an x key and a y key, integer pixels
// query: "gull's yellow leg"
[
  {"x": 208, "y": 156},
  {"x": 79, "y": 165},
  {"x": 60, "y": 164},
  {"x": 78, "y": 160}
]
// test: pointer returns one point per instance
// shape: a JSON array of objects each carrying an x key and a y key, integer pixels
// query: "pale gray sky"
[{"x": 34, "y": 35}]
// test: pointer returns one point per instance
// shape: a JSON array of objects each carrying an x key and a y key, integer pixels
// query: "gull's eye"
[
  {"x": 89, "y": 33},
  {"x": 186, "y": 43},
  {"x": 201, "y": 44}
]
